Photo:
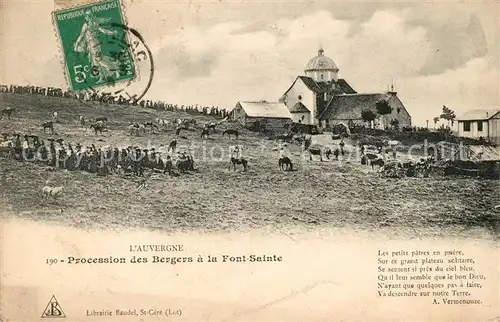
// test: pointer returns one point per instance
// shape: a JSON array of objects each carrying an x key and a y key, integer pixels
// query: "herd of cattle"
[{"x": 134, "y": 160}]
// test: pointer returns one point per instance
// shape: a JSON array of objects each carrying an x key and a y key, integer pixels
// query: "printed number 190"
[{"x": 51, "y": 261}]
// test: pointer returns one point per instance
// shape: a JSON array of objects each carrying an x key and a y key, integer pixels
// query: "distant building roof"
[
  {"x": 265, "y": 109},
  {"x": 350, "y": 106},
  {"x": 299, "y": 108},
  {"x": 475, "y": 115}
]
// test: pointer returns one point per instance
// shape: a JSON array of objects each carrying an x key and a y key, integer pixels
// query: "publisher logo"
[{"x": 53, "y": 309}]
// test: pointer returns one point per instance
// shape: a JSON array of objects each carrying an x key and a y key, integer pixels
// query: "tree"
[
  {"x": 436, "y": 119},
  {"x": 383, "y": 107},
  {"x": 368, "y": 116},
  {"x": 448, "y": 115}
]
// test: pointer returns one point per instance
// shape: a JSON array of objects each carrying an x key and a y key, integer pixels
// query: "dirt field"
[{"x": 318, "y": 195}]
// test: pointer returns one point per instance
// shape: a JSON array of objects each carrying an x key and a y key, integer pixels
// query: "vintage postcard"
[{"x": 249, "y": 161}]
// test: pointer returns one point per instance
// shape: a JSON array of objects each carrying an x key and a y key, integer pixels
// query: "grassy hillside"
[{"x": 213, "y": 198}]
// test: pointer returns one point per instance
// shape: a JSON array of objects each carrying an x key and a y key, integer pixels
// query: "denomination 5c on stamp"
[{"x": 96, "y": 52}]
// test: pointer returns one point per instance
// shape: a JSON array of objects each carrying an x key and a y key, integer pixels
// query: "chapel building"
[{"x": 320, "y": 97}]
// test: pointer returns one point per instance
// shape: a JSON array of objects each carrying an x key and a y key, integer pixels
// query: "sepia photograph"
[{"x": 301, "y": 158}]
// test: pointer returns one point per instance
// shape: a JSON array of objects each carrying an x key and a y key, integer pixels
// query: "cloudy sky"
[{"x": 216, "y": 53}]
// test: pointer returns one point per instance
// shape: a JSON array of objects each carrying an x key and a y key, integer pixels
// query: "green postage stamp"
[{"x": 95, "y": 44}]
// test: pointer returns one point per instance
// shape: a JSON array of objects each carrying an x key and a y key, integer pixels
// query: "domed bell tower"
[{"x": 322, "y": 68}]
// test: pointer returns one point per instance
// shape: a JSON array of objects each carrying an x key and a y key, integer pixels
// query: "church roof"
[
  {"x": 321, "y": 62},
  {"x": 350, "y": 106},
  {"x": 265, "y": 109},
  {"x": 299, "y": 108},
  {"x": 345, "y": 87},
  {"x": 315, "y": 86},
  {"x": 320, "y": 87}
]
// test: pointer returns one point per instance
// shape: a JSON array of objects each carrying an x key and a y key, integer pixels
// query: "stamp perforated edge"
[{"x": 60, "y": 49}]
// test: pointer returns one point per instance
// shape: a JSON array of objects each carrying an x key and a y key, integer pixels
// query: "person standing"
[
  {"x": 238, "y": 152},
  {"x": 26, "y": 147}
]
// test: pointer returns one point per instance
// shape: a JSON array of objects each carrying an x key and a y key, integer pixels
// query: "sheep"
[{"x": 52, "y": 191}]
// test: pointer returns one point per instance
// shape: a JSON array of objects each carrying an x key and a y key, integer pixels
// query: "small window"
[
  {"x": 467, "y": 126},
  {"x": 399, "y": 110},
  {"x": 479, "y": 126},
  {"x": 300, "y": 97},
  {"x": 321, "y": 76}
]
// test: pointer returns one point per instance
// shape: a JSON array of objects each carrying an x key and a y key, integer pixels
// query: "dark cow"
[
  {"x": 97, "y": 127},
  {"x": 230, "y": 132},
  {"x": 315, "y": 151},
  {"x": 205, "y": 133},
  {"x": 241, "y": 161}
]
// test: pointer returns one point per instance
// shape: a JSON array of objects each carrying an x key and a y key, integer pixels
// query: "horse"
[
  {"x": 205, "y": 133},
  {"x": 97, "y": 127},
  {"x": 241, "y": 161},
  {"x": 134, "y": 129},
  {"x": 151, "y": 125},
  {"x": 189, "y": 122},
  {"x": 229, "y": 132},
  {"x": 178, "y": 130},
  {"x": 372, "y": 159},
  {"x": 285, "y": 137},
  {"x": 379, "y": 162},
  {"x": 315, "y": 151},
  {"x": 48, "y": 125},
  {"x": 6, "y": 111},
  {"x": 285, "y": 164}
]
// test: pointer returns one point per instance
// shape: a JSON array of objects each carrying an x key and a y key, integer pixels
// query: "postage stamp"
[{"x": 96, "y": 51}]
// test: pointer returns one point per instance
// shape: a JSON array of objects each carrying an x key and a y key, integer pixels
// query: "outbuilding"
[
  {"x": 478, "y": 124},
  {"x": 262, "y": 115}
]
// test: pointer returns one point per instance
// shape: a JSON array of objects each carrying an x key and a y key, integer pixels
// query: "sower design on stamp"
[{"x": 96, "y": 52}]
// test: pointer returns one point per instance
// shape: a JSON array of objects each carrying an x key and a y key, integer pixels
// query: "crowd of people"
[
  {"x": 108, "y": 98},
  {"x": 102, "y": 161}
]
